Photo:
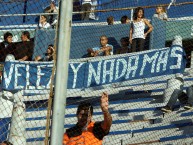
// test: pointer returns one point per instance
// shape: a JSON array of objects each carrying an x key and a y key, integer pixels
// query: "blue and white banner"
[{"x": 97, "y": 72}]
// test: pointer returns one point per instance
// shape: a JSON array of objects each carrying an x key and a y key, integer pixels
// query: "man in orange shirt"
[
  {"x": 86, "y": 131},
  {"x": 6, "y": 143}
]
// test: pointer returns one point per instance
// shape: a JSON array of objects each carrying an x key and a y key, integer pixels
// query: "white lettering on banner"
[
  {"x": 104, "y": 71},
  {"x": 28, "y": 78},
  {"x": 75, "y": 70},
  {"x": 123, "y": 71},
  {"x": 17, "y": 75},
  {"x": 133, "y": 68},
  {"x": 178, "y": 56},
  {"x": 148, "y": 59},
  {"x": 7, "y": 77},
  {"x": 163, "y": 59},
  {"x": 39, "y": 74},
  {"x": 94, "y": 73},
  {"x": 110, "y": 71},
  {"x": 49, "y": 82}
]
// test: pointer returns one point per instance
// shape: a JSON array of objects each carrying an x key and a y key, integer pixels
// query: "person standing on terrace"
[
  {"x": 186, "y": 99},
  {"x": 137, "y": 35},
  {"x": 86, "y": 131},
  {"x": 24, "y": 49},
  {"x": 86, "y": 6},
  {"x": 161, "y": 13},
  {"x": 6, "y": 47}
]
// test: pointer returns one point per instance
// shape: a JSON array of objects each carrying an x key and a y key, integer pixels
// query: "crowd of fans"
[
  {"x": 137, "y": 35},
  {"x": 23, "y": 50}
]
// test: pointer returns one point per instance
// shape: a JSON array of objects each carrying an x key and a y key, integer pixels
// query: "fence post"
[
  {"x": 191, "y": 59},
  {"x": 17, "y": 134},
  {"x": 131, "y": 15},
  {"x": 63, "y": 49}
]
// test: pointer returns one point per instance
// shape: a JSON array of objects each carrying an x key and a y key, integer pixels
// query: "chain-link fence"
[
  {"x": 27, "y": 69},
  {"x": 137, "y": 52}
]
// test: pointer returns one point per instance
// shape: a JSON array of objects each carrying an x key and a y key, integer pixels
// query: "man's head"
[
  {"x": 8, "y": 37},
  {"x": 6, "y": 143},
  {"x": 84, "y": 113},
  {"x": 43, "y": 19},
  {"x": 124, "y": 20},
  {"x": 124, "y": 41},
  {"x": 138, "y": 13},
  {"x": 110, "y": 20},
  {"x": 160, "y": 9},
  {"x": 103, "y": 40},
  {"x": 50, "y": 49},
  {"x": 25, "y": 36}
]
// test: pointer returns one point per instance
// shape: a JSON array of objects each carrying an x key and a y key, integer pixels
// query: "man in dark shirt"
[
  {"x": 24, "y": 49},
  {"x": 6, "y": 47}
]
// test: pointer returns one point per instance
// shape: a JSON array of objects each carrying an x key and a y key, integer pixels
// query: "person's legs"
[
  {"x": 168, "y": 108},
  {"x": 174, "y": 97},
  {"x": 190, "y": 94},
  {"x": 190, "y": 98},
  {"x": 141, "y": 43},
  {"x": 133, "y": 45},
  {"x": 183, "y": 98}
]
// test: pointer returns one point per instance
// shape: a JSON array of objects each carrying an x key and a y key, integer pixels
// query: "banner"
[{"x": 92, "y": 72}]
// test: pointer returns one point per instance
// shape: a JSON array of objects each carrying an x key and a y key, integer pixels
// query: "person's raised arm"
[
  {"x": 150, "y": 27},
  {"x": 91, "y": 52},
  {"x": 106, "y": 124},
  {"x": 24, "y": 58}
]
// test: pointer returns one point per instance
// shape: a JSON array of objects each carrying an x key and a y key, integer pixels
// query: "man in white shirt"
[{"x": 86, "y": 6}]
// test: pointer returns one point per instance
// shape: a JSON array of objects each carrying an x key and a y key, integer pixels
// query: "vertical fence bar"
[
  {"x": 191, "y": 61},
  {"x": 64, "y": 36},
  {"x": 131, "y": 15},
  {"x": 18, "y": 124}
]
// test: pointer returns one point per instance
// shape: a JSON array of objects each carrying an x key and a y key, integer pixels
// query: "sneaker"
[
  {"x": 188, "y": 106},
  {"x": 166, "y": 109}
]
